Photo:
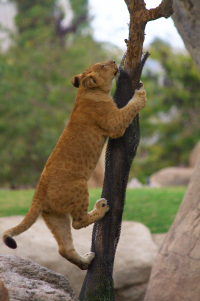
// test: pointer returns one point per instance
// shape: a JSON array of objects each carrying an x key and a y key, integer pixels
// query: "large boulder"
[
  {"x": 159, "y": 238},
  {"x": 194, "y": 155},
  {"x": 135, "y": 255},
  {"x": 171, "y": 176},
  {"x": 28, "y": 281}
]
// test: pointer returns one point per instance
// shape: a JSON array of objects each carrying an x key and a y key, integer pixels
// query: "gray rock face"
[
  {"x": 176, "y": 273},
  {"x": 186, "y": 18},
  {"x": 135, "y": 255},
  {"x": 27, "y": 281}
]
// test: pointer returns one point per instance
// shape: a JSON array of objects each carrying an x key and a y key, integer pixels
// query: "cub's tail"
[{"x": 27, "y": 222}]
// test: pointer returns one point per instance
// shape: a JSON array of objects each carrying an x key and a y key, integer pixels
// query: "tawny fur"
[{"x": 62, "y": 191}]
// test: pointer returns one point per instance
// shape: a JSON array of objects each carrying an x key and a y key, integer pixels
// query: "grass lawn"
[{"x": 156, "y": 208}]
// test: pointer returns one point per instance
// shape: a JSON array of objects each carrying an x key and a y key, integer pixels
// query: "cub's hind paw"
[
  {"x": 89, "y": 255},
  {"x": 87, "y": 259}
]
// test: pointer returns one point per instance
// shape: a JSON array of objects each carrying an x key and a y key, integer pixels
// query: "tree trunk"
[
  {"x": 187, "y": 21},
  {"x": 176, "y": 273},
  {"x": 98, "y": 283}
]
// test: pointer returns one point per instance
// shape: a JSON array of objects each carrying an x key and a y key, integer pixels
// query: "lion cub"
[{"x": 62, "y": 191}]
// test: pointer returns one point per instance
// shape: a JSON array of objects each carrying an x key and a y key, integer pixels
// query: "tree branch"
[
  {"x": 165, "y": 9},
  {"x": 139, "y": 16}
]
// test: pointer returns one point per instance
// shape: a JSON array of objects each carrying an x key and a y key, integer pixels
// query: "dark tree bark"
[
  {"x": 187, "y": 21},
  {"x": 176, "y": 272}
]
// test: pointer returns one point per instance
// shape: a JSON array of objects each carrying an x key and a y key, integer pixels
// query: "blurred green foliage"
[
  {"x": 79, "y": 6},
  {"x": 36, "y": 95},
  {"x": 170, "y": 123}
]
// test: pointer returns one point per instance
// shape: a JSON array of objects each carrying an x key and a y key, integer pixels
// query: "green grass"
[
  {"x": 156, "y": 208},
  {"x": 15, "y": 202}
]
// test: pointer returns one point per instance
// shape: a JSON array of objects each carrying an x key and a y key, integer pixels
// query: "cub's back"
[{"x": 79, "y": 147}]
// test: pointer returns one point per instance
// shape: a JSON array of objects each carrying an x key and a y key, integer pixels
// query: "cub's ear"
[
  {"x": 76, "y": 80},
  {"x": 92, "y": 80}
]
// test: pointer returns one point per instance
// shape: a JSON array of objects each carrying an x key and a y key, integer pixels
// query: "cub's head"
[{"x": 98, "y": 76}]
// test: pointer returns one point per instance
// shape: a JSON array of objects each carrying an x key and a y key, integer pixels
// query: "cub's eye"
[{"x": 102, "y": 66}]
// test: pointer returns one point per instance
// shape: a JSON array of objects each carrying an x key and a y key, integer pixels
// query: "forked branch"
[{"x": 139, "y": 16}]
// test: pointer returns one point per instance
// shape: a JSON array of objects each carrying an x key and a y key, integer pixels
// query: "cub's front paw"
[
  {"x": 141, "y": 93},
  {"x": 102, "y": 205}
]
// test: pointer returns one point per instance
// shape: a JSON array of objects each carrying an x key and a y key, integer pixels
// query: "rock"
[
  {"x": 135, "y": 255},
  {"x": 28, "y": 281},
  {"x": 3, "y": 292},
  {"x": 39, "y": 245},
  {"x": 176, "y": 272},
  {"x": 158, "y": 239},
  {"x": 171, "y": 176},
  {"x": 195, "y": 153},
  {"x": 134, "y": 183}
]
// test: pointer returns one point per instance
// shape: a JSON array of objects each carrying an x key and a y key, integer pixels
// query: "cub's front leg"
[{"x": 119, "y": 119}]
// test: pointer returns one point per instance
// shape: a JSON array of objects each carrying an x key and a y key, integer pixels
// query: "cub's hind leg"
[
  {"x": 60, "y": 226},
  {"x": 80, "y": 215}
]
